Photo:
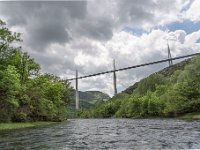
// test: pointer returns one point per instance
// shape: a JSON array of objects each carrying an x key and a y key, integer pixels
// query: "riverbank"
[
  {"x": 190, "y": 116},
  {"x": 20, "y": 125},
  {"x": 187, "y": 116}
]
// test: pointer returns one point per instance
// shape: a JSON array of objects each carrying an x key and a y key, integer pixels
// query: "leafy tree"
[
  {"x": 6, "y": 50},
  {"x": 28, "y": 67},
  {"x": 9, "y": 88},
  {"x": 47, "y": 98}
]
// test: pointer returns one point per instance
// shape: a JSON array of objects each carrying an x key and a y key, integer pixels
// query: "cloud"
[
  {"x": 147, "y": 14},
  {"x": 193, "y": 11},
  {"x": 45, "y": 22}
]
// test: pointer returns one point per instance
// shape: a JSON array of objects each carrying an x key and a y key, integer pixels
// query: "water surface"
[{"x": 106, "y": 134}]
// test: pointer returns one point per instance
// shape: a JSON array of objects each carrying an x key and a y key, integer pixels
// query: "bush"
[{"x": 20, "y": 117}]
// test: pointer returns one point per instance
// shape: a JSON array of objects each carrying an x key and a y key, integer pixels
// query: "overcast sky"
[{"x": 88, "y": 35}]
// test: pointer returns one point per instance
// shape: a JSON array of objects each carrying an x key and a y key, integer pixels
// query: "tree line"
[{"x": 25, "y": 93}]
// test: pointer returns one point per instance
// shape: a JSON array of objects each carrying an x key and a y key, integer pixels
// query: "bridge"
[{"x": 169, "y": 59}]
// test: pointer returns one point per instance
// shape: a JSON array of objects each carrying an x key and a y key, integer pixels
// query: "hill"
[
  {"x": 88, "y": 99},
  {"x": 166, "y": 72}
]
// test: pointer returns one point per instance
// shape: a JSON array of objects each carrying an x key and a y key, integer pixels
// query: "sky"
[{"x": 63, "y": 36}]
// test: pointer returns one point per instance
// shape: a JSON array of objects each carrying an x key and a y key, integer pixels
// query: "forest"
[
  {"x": 25, "y": 93},
  {"x": 171, "y": 92}
]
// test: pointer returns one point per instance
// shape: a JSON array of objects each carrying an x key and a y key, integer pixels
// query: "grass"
[
  {"x": 191, "y": 116},
  {"x": 20, "y": 125}
]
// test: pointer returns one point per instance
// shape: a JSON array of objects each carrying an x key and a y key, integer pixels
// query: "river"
[{"x": 106, "y": 134}]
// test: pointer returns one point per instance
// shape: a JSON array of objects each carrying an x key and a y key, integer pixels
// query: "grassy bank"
[
  {"x": 10, "y": 126},
  {"x": 191, "y": 116}
]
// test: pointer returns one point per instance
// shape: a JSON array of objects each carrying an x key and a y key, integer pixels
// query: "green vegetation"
[
  {"x": 164, "y": 94},
  {"x": 19, "y": 125},
  {"x": 25, "y": 94}
]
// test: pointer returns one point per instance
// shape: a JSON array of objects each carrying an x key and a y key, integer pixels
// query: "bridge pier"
[
  {"x": 77, "y": 95},
  {"x": 114, "y": 78},
  {"x": 169, "y": 55}
]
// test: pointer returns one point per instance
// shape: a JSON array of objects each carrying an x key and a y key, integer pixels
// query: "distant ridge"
[{"x": 88, "y": 99}]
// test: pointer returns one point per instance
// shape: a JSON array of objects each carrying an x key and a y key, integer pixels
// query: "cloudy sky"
[{"x": 88, "y": 35}]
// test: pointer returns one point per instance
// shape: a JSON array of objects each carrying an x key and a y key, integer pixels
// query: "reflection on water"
[{"x": 106, "y": 134}]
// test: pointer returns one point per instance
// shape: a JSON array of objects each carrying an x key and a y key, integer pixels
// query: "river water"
[{"x": 106, "y": 134}]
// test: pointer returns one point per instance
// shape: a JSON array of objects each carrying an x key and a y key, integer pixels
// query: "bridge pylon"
[
  {"x": 114, "y": 78},
  {"x": 77, "y": 94}
]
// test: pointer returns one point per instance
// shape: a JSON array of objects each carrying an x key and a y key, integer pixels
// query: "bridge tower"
[
  {"x": 77, "y": 95},
  {"x": 114, "y": 78},
  {"x": 169, "y": 55}
]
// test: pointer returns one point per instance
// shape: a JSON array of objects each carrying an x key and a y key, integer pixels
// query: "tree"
[
  {"x": 9, "y": 88},
  {"x": 28, "y": 68},
  {"x": 48, "y": 98},
  {"x": 6, "y": 39}
]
